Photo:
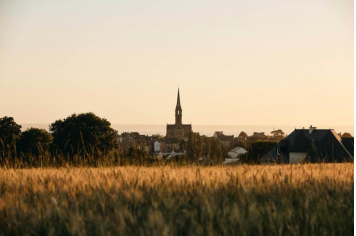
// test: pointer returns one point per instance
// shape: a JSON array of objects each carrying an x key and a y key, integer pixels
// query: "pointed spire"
[
  {"x": 178, "y": 99},
  {"x": 178, "y": 110}
]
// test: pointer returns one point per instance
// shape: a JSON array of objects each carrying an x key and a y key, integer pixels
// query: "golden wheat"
[{"x": 309, "y": 199}]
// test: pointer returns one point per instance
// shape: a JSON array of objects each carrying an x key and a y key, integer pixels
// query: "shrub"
[
  {"x": 84, "y": 133},
  {"x": 9, "y": 134},
  {"x": 256, "y": 151},
  {"x": 34, "y": 141}
]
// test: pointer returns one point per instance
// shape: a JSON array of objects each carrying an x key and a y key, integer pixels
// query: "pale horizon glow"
[{"x": 235, "y": 62}]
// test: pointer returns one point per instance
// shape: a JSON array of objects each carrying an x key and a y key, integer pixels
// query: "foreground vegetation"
[{"x": 310, "y": 199}]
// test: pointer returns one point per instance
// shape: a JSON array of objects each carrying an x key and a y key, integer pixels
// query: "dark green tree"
[
  {"x": 240, "y": 143},
  {"x": 207, "y": 147},
  {"x": 199, "y": 145},
  {"x": 260, "y": 148},
  {"x": 217, "y": 150},
  {"x": 84, "y": 133},
  {"x": 257, "y": 150},
  {"x": 10, "y": 132},
  {"x": 34, "y": 141},
  {"x": 191, "y": 152}
]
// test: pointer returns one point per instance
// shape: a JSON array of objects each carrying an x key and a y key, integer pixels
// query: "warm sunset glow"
[{"x": 235, "y": 62}]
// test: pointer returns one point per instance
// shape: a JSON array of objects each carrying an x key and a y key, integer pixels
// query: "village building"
[
  {"x": 156, "y": 146},
  {"x": 258, "y": 135},
  {"x": 141, "y": 142},
  {"x": 226, "y": 140},
  {"x": 314, "y": 145},
  {"x": 234, "y": 153}
]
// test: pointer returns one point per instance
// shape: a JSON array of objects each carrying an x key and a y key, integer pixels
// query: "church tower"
[
  {"x": 178, "y": 111},
  {"x": 178, "y": 131}
]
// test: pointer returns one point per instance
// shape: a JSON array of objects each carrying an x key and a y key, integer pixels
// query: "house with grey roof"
[
  {"x": 234, "y": 153},
  {"x": 312, "y": 145}
]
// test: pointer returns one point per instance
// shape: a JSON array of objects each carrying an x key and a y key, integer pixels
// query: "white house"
[
  {"x": 156, "y": 146},
  {"x": 234, "y": 153}
]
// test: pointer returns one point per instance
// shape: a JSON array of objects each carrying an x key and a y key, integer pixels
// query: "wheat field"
[{"x": 310, "y": 199}]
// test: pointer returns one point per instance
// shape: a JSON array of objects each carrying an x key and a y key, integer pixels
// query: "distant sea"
[{"x": 209, "y": 130}]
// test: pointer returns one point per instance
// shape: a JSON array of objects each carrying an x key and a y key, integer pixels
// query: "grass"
[{"x": 310, "y": 199}]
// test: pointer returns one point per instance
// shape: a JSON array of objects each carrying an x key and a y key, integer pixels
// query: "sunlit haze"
[{"x": 235, "y": 62}]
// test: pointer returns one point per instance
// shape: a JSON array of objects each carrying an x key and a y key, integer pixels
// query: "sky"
[{"x": 236, "y": 62}]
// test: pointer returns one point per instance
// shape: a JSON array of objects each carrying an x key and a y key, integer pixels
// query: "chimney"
[{"x": 311, "y": 129}]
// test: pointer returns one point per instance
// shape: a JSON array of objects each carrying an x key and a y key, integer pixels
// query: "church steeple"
[
  {"x": 178, "y": 130},
  {"x": 178, "y": 111},
  {"x": 178, "y": 99}
]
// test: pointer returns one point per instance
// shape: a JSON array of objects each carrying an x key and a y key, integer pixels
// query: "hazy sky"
[{"x": 236, "y": 62}]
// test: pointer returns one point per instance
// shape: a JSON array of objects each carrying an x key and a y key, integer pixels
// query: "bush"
[
  {"x": 256, "y": 151},
  {"x": 34, "y": 141},
  {"x": 9, "y": 134},
  {"x": 84, "y": 133}
]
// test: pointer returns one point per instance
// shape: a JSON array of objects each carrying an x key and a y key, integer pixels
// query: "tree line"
[
  {"x": 209, "y": 148},
  {"x": 84, "y": 137},
  {"x": 88, "y": 139}
]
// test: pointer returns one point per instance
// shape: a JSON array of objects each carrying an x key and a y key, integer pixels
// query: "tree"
[
  {"x": 199, "y": 145},
  {"x": 34, "y": 141},
  {"x": 217, "y": 151},
  {"x": 346, "y": 135},
  {"x": 260, "y": 148},
  {"x": 84, "y": 133},
  {"x": 257, "y": 150},
  {"x": 240, "y": 143},
  {"x": 9, "y": 134},
  {"x": 191, "y": 147},
  {"x": 207, "y": 147},
  {"x": 277, "y": 134},
  {"x": 243, "y": 135}
]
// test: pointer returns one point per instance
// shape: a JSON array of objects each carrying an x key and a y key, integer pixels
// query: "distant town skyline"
[
  {"x": 235, "y": 62},
  {"x": 208, "y": 130}
]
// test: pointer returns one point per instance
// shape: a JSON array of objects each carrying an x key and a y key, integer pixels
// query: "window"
[{"x": 278, "y": 151}]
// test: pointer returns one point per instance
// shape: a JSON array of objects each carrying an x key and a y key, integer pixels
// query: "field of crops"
[{"x": 310, "y": 199}]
